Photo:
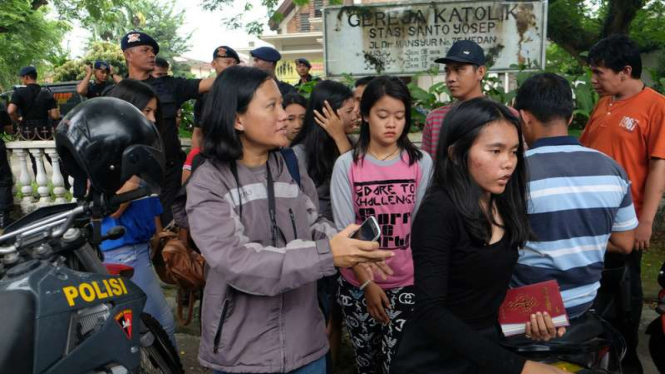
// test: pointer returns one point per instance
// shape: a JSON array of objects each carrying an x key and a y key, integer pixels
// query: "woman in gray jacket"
[{"x": 262, "y": 237}]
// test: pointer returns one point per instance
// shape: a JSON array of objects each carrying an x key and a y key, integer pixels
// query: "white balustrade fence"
[{"x": 48, "y": 177}]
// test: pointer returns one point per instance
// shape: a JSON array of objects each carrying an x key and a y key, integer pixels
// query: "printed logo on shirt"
[
  {"x": 629, "y": 123},
  {"x": 400, "y": 194}
]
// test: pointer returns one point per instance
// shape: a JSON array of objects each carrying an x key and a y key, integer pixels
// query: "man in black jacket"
[
  {"x": 32, "y": 106},
  {"x": 6, "y": 182}
]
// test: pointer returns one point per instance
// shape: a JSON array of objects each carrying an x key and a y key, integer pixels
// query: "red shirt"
[{"x": 432, "y": 129}]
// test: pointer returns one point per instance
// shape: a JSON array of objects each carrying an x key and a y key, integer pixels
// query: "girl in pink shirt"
[{"x": 386, "y": 177}]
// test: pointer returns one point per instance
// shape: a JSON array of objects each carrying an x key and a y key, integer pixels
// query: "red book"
[{"x": 520, "y": 303}]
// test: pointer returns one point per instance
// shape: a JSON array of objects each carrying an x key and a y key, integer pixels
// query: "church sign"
[{"x": 405, "y": 38}]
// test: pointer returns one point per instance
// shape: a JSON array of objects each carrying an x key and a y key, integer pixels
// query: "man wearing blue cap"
[
  {"x": 266, "y": 58},
  {"x": 222, "y": 57},
  {"x": 465, "y": 69},
  {"x": 140, "y": 51},
  {"x": 303, "y": 67},
  {"x": 32, "y": 106},
  {"x": 101, "y": 70}
]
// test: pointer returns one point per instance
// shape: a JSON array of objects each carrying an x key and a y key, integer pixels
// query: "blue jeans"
[
  {"x": 138, "y": 257},
  {"x": 316, "y": 367}
]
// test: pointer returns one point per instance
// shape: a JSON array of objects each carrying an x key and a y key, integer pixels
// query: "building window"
[
  {"x": 318, "y": 8},
  {"x": 304, "y": 22}
]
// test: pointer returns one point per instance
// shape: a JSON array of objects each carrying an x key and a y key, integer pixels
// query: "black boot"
[{"x": 5, "y": 219}]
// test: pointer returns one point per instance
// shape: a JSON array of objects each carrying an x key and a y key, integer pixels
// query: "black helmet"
[{"x": 107, "y": 141}]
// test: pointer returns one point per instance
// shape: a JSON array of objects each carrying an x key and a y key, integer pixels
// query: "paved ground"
[{"x": 188, "y": 344}]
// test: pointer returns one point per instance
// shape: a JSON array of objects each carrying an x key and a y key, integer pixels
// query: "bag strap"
[
  {"x": 291, "y": 163},
  {"x": 190, "y": 307}
]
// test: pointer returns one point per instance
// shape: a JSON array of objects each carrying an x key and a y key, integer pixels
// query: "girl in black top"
[{"x": 464, "y": 243}]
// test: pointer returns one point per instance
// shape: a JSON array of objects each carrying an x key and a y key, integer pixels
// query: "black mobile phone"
[{"x": 369, "y": 230}]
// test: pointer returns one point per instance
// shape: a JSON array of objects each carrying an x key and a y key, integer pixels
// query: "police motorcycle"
[
  {"x": 656, "y": 328},
  {"x": 590, "y": 344},
  {"x": 63, "y": 311}
]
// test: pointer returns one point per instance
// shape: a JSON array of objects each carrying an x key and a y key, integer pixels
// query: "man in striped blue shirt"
[{"x": 579, "y": 199}]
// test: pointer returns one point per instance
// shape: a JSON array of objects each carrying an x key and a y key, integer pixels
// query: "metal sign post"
[{"x": 405, "y": 38}]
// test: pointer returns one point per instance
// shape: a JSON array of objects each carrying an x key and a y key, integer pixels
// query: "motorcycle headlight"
[{"x": 85, "y": 322}]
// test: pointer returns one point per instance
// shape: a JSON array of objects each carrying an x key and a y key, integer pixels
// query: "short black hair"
[
  {"x": 547, "y": 96},
  {"x": 364, "y": 81},
  {"x": 162, "y": 63},
  {"x": 293, "y": 98},
  {"x": 616, "y": 52},
  {"x": 230, "y": 95},
  {"x": 32, "y": 75}
]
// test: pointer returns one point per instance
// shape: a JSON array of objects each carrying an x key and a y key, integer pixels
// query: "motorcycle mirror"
[{"x": 114, "y": 233}]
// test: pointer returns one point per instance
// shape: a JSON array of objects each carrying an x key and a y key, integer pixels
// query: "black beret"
[
  {"x": 137, "y": 38},
  {"x": 225, "y": 51},
  {"x": 266, "y": 54}
]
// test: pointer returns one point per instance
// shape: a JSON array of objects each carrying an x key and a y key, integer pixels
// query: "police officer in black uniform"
[
  {"x": 303, "y": 67},
  {"x": 266, "y": 58},
  {"x": 102, "y": 71},
  {"x": 222, "y": 58},
  {"x": 6, "y": 181},
  {"x": 32, "y": 106},
  {"x": 140, "y": 51}
]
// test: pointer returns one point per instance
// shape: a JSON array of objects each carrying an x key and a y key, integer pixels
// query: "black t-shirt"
[
  {"x": 97, "y": 89},
  {"x": 33, "y": 103},
  {"x": 460, "y": 285},
  {"x": 172, "y": 93},
  {"x": 285, "y": 88},
  {"x": 199, "y": 106}
]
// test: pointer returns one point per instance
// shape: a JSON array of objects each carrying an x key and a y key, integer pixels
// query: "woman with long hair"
[
  {"x": 329, "y": 120},
  {"x": 261, "y": 235},
  {"x": 385, "y": 177},
  {"x": 140, "y": 218},
  {"x": 465, "y": 244}
]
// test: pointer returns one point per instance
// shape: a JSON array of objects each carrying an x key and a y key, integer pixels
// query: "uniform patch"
[
  {"x": 629, "y": 123},
  {"x": 133, "y": 38},
  {"x": 124, "y": 320},
  {"x": 221, "y": 52}
]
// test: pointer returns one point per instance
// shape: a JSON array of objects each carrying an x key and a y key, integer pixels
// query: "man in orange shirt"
[{"x": 628, "y": 124}]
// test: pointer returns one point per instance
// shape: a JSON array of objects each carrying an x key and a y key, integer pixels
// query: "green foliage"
[
  {"x": 305, "y": 89},
  {"x": 156, "y": 18},
  {"x": 187, "y": 120},
  {"x": 159, "y": 19},
  {"x": 75, "y": 69},
  {"x": 27, "y": 37}
]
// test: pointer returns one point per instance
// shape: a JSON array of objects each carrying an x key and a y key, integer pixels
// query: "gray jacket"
[{"x": 260, "y": 311}]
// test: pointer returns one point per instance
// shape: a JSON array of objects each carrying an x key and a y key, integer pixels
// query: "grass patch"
[{"x": 652, "y": 260}]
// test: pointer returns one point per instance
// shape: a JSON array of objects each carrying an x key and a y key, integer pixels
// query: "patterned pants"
[{"x": 374, "y": 344}]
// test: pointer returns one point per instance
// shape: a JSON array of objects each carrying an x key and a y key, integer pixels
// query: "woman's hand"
[
  {"x": 377, "y": 303},
  {"x": 349, "y": 252},
  {"x": 532, "y": 367},
  {"x": 334, "y": 126},
  {"x": 330, "y": 121},
  {"x": 541, "y": 328}
]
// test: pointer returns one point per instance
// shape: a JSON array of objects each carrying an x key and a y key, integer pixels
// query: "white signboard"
[{"x": 405, "y": 38}]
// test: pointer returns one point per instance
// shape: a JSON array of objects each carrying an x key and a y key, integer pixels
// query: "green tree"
[
  {"x": 159, "y": 19},
  {"x": 156, "y": 18},
  {"x": 27, "y": 37},
  {"x": 75, "y": 69}
]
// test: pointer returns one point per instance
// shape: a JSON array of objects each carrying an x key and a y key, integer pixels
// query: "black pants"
[
  {"x": 628, "y": 322},
  {"x": 170, "y": 188},
  {"x": 6, "y": 180}
]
